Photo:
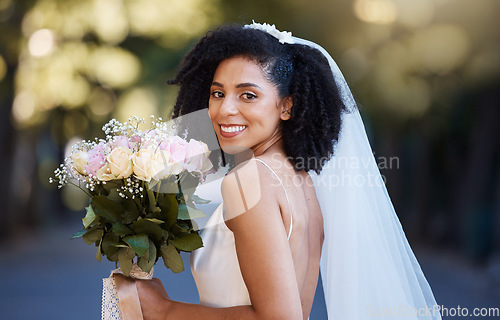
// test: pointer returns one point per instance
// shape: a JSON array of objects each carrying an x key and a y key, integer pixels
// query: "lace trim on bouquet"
[{"x": 110, "y": 301}]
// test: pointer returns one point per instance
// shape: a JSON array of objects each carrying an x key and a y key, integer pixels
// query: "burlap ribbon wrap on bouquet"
[{"x": 120, "y": 299}]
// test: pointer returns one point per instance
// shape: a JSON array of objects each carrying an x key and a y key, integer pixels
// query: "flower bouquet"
[{"x": 141, "y": 187}]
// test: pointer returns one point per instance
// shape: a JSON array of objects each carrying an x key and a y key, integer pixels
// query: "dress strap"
[{"x": 286, "y": 194}]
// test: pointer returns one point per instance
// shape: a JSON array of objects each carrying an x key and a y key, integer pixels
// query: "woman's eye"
[
  {"x": 217, "y": 94},
  {"x": 249, "y": 96}
]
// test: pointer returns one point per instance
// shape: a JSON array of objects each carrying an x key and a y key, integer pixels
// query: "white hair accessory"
[{"x": 282, "y": 36}]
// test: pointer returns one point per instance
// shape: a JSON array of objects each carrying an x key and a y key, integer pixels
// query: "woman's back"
[
  {"x": 215, "y": 267},
  {"x": 307, "y": 235}
]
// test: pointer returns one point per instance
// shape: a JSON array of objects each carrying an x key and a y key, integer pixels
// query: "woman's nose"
[{"x": 228, "y": 107}]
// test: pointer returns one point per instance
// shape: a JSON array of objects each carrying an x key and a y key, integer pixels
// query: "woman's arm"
[{"x": 252, "y": 211}]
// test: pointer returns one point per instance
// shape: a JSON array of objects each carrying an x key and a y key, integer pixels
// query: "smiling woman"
[
  {"x": 295, "y": 79},
  {"x": 245, "y": 107},
  {"x": 278, "y": 106}
]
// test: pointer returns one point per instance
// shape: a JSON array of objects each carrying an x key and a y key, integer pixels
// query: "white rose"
[
  {"x": 120, "y": 162},
  {"x": 80, "y": 160},
  {"x": 143, "y": 164}
]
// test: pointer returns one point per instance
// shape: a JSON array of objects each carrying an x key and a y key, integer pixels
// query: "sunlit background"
[{"x": 426, "y": 74}]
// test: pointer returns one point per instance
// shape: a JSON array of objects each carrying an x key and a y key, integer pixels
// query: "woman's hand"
[{"x": 154, "y": 299}]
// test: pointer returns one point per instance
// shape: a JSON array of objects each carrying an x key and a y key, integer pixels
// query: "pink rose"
[
  {"x": 135, "y": 142},
  {"x": 150, "y": 138},
  {"x": 165, "y": 145},
  {"x": 178, "y": 150},
  {"x": 197, "y": 156},
  {"x": 120, "y": 141},
  {"x": 95, "y": 159}
]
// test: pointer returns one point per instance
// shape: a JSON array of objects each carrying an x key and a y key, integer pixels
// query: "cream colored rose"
[
  {"x": 80, "y": 160},
  {"x": 164, "y": 165},
  {"x": 104, "y": 174},
  {"x": 143, "y": 164},
  {"x": 120, "y": 163}
]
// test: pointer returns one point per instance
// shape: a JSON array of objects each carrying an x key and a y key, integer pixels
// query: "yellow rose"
[
  {"x": 80, "y": 160},
  {"x": 120, "y": 163},
  {"x": 104, "y": 174},
  {"x": 143, "y": 164}
]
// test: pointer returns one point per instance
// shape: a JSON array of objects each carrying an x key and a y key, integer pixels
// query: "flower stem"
[
  {"x": 152, "y": 200},
  {"x": 79, "y": 187},
  {"x": 158, "y": 192}
]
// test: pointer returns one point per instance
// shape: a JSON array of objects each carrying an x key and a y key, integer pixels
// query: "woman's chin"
[{"x": 232, "y": 149}]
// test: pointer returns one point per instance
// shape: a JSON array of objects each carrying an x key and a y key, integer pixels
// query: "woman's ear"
[{"x": 286, "y": 108}]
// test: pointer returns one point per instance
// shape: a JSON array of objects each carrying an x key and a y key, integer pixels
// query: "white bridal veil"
[{"x": 368, "y": 269}]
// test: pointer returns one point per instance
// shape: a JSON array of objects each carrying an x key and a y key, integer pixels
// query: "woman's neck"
[{"x": 273, "y": 145}]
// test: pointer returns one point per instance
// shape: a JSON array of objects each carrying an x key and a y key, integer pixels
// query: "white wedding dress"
[
  {"x": 368, "y": 268},
  {"x": 215, "y": 266}
]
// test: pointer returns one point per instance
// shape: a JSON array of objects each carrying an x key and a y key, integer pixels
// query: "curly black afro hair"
[{"x": 296, "y": 70}]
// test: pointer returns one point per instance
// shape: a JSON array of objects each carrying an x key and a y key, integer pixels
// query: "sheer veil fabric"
[
  {"x": 367, "y": 266},
  {"x": 368, "y": 269}
]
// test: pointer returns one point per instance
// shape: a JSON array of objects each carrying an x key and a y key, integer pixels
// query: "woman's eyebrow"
[
  {"x": 248, "y": 84},
  {"x": 241, "y": 85}
]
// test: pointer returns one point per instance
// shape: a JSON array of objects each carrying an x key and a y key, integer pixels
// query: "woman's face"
[{"x": 245, "y": 107}]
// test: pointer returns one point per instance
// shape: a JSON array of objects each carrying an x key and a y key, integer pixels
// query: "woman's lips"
[{"x": 231, "y": 130}]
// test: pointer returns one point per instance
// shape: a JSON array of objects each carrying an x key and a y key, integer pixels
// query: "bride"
[{"x": 294, "y": 202}]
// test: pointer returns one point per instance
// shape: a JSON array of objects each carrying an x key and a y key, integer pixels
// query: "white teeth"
[{"x": 233, "y": 128}]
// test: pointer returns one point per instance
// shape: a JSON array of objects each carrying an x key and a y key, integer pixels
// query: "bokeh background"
[{"x": 426, "y": 74}]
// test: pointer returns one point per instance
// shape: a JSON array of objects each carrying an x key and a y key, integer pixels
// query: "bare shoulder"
[
  {"x": 248, "y": 186},
  {"x": 252, "y": 213}
]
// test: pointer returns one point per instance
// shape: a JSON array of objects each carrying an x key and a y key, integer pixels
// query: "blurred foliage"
[{"x": 425, "y": 73}]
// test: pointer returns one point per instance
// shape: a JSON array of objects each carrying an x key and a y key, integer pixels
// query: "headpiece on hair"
[{"x": 282, "y": 36}]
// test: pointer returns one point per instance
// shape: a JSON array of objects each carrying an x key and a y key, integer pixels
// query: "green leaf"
[
  {"x": 199, "y": 200},
  {"x": 131, "y": 212},
  {"x": 157, "y": 221},
  {"x": 89, "y": 217},
  {"x": 98, "y": 254},
  {"x": 152, "y": 200},
  {"x": 125, "y": 256},
  {"x": 106, "y": 208},
  {"x": 169, "y": 207},
  {"x": 147, "y": 261},
  {"x": 93, "y": 236},
  {"x": 172, "y": 258},
  {"x": 189, "y": 213},
  {"x": 164, "y": 233},
  {"x": 177, "y": 230},
  {"x": 121, "y": 229},
  {"x": 114, "y": 194},
  {"x": 113, "y": 184},
  {"x": 190, "y": 242},
  {"x": 147, "y": 227},
  {"x": 189, "y": 181},
  {"x": 108, "y": 244},
  {"x": 139, "y": 243},
  {"x": 79, "y": 234},
  {"x": 121, "y": 245},
  {"x": 114, "y": 257}
]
